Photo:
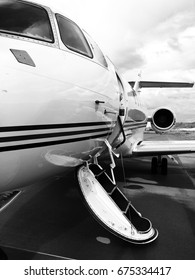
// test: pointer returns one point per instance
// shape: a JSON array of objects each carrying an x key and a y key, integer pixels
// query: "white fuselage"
[{"x": 51, "y": 109}]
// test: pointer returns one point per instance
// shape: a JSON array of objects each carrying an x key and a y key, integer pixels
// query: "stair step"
[
  {"x": 120, "y": 199},
  {"x": 106, "y": 183},
  {"x": 96, "y": 169},
  {"x": 140, "y": 223},
  {"x": 102, "y": 178}
]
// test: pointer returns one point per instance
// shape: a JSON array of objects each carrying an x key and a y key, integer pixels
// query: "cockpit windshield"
[{"x": 26, "y": 20}]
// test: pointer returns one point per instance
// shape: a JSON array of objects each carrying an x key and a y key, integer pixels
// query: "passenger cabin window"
[
  {"x": 26, "y": 20},
  {"x": 72, "y": 36}
]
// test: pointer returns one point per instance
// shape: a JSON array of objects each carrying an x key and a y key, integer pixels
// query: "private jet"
[{"x": 64, "y": 105}]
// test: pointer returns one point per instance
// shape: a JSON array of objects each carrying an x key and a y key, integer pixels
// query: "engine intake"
[{"x": 163, "y": 119}]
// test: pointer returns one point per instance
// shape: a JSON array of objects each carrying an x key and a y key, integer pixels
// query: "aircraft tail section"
[
  {"x": 111, "y": 208},
  {"x": 153, "y": 84}
]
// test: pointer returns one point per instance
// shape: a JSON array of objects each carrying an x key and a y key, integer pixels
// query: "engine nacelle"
[{"x": 162, "y": 120}]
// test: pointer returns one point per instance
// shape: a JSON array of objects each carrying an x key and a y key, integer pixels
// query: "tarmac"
[{"x": 48, "y": 220}]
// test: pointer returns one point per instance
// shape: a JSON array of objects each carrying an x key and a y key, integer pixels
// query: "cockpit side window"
[
  {"x": 98, "y": 54},
  {"x": 120, "y": 87},
  {"x": 26, "y": 20},
  {"x": 72, "y": 36}
]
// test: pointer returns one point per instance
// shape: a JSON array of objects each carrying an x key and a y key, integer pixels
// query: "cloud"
[
  {"x": 168, "y": 50},
  {"x": 128, "y": 59},
  {"x": 174, "y": 43}
]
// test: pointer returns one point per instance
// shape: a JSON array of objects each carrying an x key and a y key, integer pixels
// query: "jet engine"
[{"x": 162, "y": 120}]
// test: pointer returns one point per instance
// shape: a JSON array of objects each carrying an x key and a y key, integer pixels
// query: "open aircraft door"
[{"x": 111, "y": 208}]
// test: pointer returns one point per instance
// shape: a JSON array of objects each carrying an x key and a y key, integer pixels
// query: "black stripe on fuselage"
[
  {"x": 51, "y": 126},
  {"x": 49, "y": 143},
  {"x": 49, "y": 135},
  {"x": 104, "y": 131}
]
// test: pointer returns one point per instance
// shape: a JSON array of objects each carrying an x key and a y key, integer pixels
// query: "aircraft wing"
[
  {"x": 152, "y": 148},
  {"x": 152, "y": 84}
]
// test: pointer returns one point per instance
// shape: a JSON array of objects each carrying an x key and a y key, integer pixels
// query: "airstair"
[
  {"x": 111, "y": 208},
  {"x": 106, "y": 202}
]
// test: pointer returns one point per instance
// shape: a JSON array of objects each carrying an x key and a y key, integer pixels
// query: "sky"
[{"x": 156, "y": 37}]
